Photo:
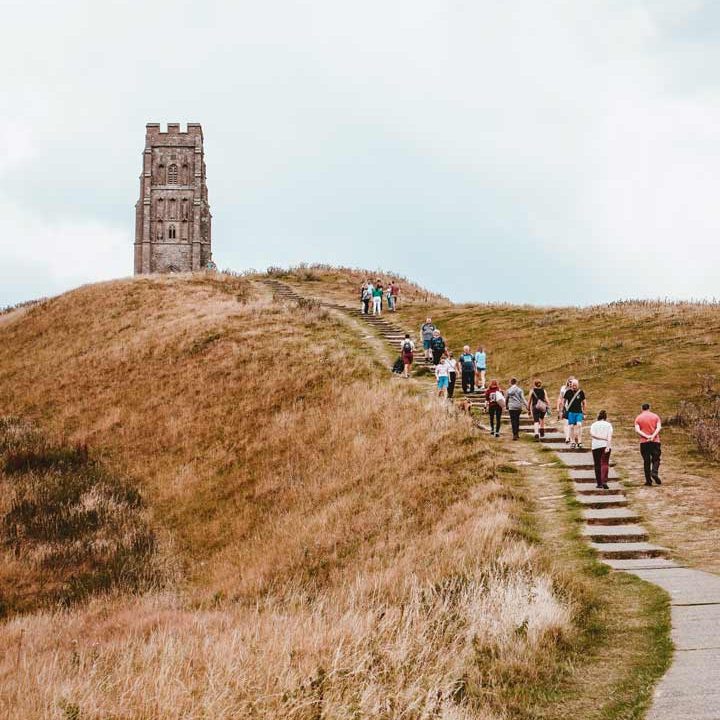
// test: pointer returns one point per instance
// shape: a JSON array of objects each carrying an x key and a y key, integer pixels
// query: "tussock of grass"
[{"x": 69, "y": 529}]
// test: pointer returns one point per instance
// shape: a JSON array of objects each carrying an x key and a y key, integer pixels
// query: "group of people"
[
  {"x": 372, "y": 294},
  {"x": 570, "y": 404}
]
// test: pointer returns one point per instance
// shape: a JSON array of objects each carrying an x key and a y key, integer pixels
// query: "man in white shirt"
[{"x": 601, "y": 432}]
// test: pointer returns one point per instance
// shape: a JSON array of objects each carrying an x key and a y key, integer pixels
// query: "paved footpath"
[{"x": 690, "y": 690}]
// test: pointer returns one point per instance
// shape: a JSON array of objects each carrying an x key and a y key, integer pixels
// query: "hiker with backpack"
[
  {"x": 601, "y": 432},
  {"x": 452, "y": 364},
  {"x": 562, "y": 410},
  {"x": 426, "y": 333},
  {"x": 496, "y": 402},
  {"x": 377, "y": 296},
  {"x": 576, "y": 407},
  {"x": 437, "y": 345},
  {"x": 480, "y": 366},
  {"x": 442, "y": 375},
  {"x": 538, "y": 407},
  {"x": 407, "y": 348},
  {"x": 516, "y": 403},
  {"x": 648, "y": 426}
]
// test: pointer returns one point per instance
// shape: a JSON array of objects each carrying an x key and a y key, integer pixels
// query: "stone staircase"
[{"x": 611, "y": 527}]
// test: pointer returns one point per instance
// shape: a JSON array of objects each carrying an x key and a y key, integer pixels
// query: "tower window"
[
  {"x": 171, "y": 232},
  {"x": 172, "y": 209},
  {"x": 173, "y": 174}
]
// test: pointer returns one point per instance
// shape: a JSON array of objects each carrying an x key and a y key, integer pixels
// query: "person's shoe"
[
  {"x": 606, "y": 486},
  {"x": 516, "y": 437},
  {"x": 567, "y": 441},
  {"x": 497, "y": 434},
  {"x": 579, "y": 446},
  {"x": 648, "y": 483},
  {"x": 537, "y": 437},
  {"x": 572, "y": 445},
  {"x": 658, "y": 481},
  {"x": 598, "y": 487},
  {"x": 542, "y": 432}
]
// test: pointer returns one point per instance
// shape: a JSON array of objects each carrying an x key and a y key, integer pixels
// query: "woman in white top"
[
  {"x": 452, "y": 364},
  {"x": 601, "y": 432},
  {"x": 442, "y": 373}
]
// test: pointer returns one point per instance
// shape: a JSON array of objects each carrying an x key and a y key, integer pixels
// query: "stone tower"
[{"x": 172, "y": 216}]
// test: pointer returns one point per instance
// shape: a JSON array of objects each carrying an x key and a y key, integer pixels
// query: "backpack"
[{"x": 407, "y": 347}]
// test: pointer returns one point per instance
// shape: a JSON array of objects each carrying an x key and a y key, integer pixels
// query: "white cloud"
[{"x": 576, "y": 138}]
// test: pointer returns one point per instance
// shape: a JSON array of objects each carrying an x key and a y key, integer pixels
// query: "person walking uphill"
[
  {"x": 516, "y": 403},
  {"x": 480, "y": 366},
  {"x": 437, "y": 345},
  {"x": 467, "y": 365},
  {"x": 538, "y": 407},
  {"x": 601, "y": 432},
  {"x": 407, "y": 348},
  {"x": 561, "y": 409},
  {"x": 648, "y": 426},
  {"x": 426, "y": 333},
  {"x": 496, "y": 403},
  {"x": 576, "y": 408},
  {"x": 377, "y": 296}
]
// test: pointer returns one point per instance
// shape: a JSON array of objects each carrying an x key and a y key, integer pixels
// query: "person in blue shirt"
[
  {"x": 467, "y": 365},
  {"x": 480, "y": 366}
]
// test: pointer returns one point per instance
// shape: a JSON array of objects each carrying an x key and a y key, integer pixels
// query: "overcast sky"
[{"x": 564, "y": 152}]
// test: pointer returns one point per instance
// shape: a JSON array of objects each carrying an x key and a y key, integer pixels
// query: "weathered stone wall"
[{"x": 173, "y": 221}]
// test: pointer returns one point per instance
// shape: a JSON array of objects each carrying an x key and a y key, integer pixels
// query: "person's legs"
[
  {"x": 605, "y": 468},
  {"x": 597, "y": 454},
  {"x": 451, "y": 385},
  {"x": 655, "y": 453},
  {"x": 645, "y": 451},
  {"x": 499, "y": 420},
  {"x": 494, "y": 419},
  {"x": 515, "y": 422},
  {"x": 567, "y": 428},
  {"x": 578, "y": 431},
  {"x": 482, "y": 378},
  {"x": 436, "y": 356}
]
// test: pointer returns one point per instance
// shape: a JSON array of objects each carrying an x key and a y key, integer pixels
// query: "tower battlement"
[{"x": 173, "y": 221}]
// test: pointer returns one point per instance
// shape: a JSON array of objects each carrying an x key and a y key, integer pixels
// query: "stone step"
[
  {"x": 642, "y": 564},
  {"x": 588, "y": 476},
  {"x": 577, "y": 459},
  {"x": 610, "y": 516},
  {"x": 562, "y": 447},
  {"x": 628, "y": 550},
  {"x": 602, "y": 501},
  {"x": 591, "y": 489},
  {"x": 615, "y": 533}
]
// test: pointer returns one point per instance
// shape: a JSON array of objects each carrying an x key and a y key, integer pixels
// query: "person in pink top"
[{"x": 648, "y": 426}]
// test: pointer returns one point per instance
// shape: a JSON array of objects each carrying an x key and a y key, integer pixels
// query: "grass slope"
[{"x": 346, "y": 548}]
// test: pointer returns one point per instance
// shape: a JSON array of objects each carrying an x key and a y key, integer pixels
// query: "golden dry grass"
[{"x": 347, "y": 549}]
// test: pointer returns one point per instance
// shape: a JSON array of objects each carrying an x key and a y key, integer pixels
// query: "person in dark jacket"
[
  {"x": 437, "y": 345},
  {"x": 467, "y": 366},
  {"x": 515, "y": 404}
]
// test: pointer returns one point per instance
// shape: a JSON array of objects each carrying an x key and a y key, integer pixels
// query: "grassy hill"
[
  {"x": 319, "y": 542},
  {"x": 625, "y": 354}
]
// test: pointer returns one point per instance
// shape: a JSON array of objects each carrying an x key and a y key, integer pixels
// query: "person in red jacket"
[
  {"x": 648, "y": 426},
  {"x": 496, "y": 402}
]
